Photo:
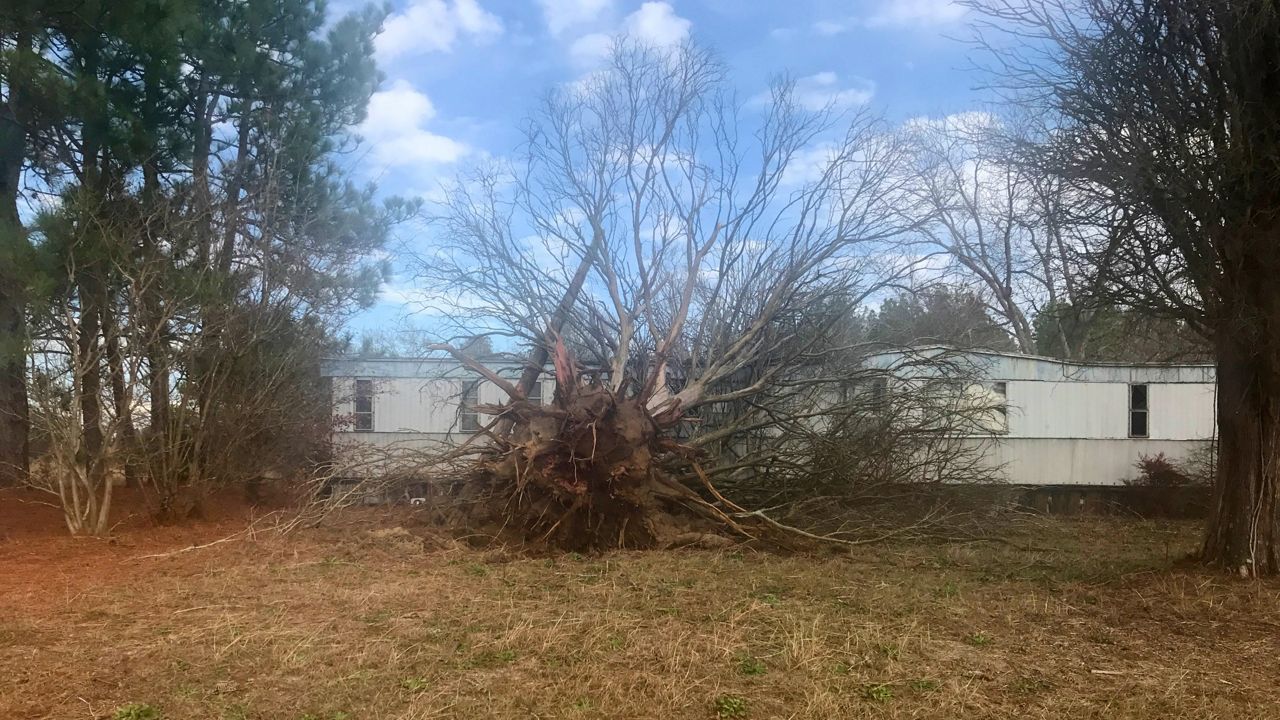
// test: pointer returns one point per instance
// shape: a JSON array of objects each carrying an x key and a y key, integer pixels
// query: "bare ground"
[{"x": 350, "y": 621}]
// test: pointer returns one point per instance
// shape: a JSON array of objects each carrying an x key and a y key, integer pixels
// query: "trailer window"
[
  {"x": 1138, "y": 411},
  {"x": 879, "y": 392},
  {"x": 468, "y": 418},
  {"x": 364, "y": 405},
  {"x": 1001, "y": 392}
]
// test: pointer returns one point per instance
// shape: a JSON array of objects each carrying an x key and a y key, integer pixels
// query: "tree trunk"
[
  {"x": 156, "y": 346},
  {"x": 201, "y": 142},
  {"x": 121, "y": 401},
  {"x": 156, "y": 451},
  {"x": 231, "y": 207},
  {"x": 555, "y": 325},
  {"x": 14, "y": 442},
  {"x": 1242, "y": 531},
  {"x": 90, "y": 374}
]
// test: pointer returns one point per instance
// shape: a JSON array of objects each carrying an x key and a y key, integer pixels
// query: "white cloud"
[
  {"x": 829, "y": 27},
  {"x": 398, "y": 293},
  {"x": 591, "y": 49},
  {"x": 434, "y": 26},
  {"x": 807, "y": 165},
  {"x": 404, "y": 289},
  {"x": 656, "y": 23},
  {"x": 822, "y": 90},
  {"x": 896, "y": 13},
  {"x": 972, "y": 121},
  {"x": 395, "y": 133},
  {"x": 916, "y": 12},
  {"x": 563, "y": 14}
]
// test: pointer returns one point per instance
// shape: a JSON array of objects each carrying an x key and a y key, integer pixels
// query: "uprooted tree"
[{"x": 685, "y": 269}]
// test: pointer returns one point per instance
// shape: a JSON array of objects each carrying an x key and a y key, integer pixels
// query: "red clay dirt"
[{"x": 40, "y": 560}]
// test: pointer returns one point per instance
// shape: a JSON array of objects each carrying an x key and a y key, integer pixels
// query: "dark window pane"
[
  {"x": 1138, "y": 423},
  {"x": 364, "y": 421},
  {"x": 1137, "y": 397},
  {"x": 879, "y": 390}
]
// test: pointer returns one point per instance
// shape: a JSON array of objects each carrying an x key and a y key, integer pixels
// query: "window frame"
[
  {"x": 1001, "y": 389},
  {"x": 1144, "y": 411},
  {"x": 535, "y": 393},
  {"x": 362, "y": 420},
  {"x": 468, "y": 417},
  {"x": 878, "y": 390}
]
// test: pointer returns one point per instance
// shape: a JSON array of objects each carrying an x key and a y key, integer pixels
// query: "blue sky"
[{"x": 461, "y": 74}]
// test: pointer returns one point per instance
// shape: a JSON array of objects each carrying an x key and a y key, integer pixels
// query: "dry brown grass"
[{"x": 342, "y": 623}]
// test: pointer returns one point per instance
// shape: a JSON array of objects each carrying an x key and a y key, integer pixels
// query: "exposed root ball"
[{"x": 580, "y": 474}]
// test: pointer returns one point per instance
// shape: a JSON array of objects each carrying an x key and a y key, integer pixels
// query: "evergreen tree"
[
  {"x": 1111, "y": 334},
  {"x": 938, "y": 315},
  {"x": 206, "y": 244}
]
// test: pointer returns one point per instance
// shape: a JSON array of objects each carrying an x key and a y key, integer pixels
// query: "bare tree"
[
  {"x": 81, "y": 446},
  {"x": 670, "y": 265},
  {"x": 1165, "y": 125},
  {"x": 995, "y": 225}
]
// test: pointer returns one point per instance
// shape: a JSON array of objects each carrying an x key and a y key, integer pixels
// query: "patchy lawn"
[{"x": 347, "y": 623}]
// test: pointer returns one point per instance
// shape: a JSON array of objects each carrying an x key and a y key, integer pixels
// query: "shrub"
[
  {"x": 1168, "y": 488},
  {"x": 1158, "y": 471}
]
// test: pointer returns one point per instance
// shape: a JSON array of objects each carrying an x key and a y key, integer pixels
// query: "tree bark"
[
  {"x": 230, "y": 210},
  {"x": 14, "y": 415},
  {"x": 201, "y": 142},
  {"x": 153, "y": 281},
  {"x": 91, "y": 287},
  {"x": 555, "y": 325},
  {"x": 1243, "y": 522},
  {"x": 90, "y": 373},
  {"x": 122, "y": 403}
]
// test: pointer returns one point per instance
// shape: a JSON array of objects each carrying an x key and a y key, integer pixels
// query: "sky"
[{"x": 461, "y": 74}]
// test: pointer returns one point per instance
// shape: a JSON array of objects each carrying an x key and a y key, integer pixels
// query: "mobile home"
[{"x": 1058, "y": 423}]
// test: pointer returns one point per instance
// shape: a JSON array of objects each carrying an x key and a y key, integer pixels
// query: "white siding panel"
[
  {"x": 372, "y": 454},
  {"x": 1039, "y": 409},
  {"x": 1183, "y": 411},
  {"x": 424, "y": 405},
  {"x": 1034, "y": 461},
  {"x": 419, "y": 405},
  {"x": 1065, "y": 409}
]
